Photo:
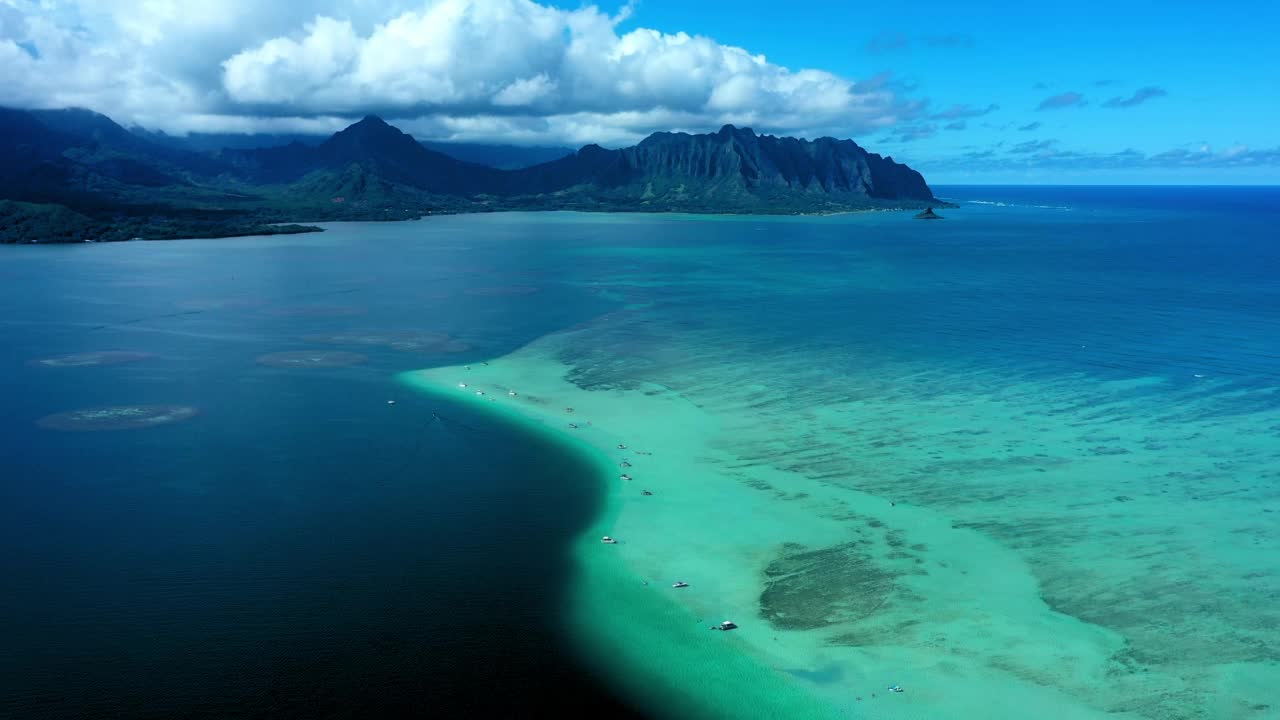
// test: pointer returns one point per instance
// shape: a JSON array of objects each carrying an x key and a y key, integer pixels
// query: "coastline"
[
  {"x": 741, "y": 549},
  {"x": 625, "y": 618},
  {"x": 1108, "y": 428},
  {"x": 309, "y": 224}
]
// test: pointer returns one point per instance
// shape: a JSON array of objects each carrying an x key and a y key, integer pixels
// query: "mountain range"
[
  {"x": 75, "y": 175},
  {"x": 503, "y": 157}
]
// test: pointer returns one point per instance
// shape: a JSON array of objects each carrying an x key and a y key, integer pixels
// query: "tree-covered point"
[{"x": 22, "y": 222}]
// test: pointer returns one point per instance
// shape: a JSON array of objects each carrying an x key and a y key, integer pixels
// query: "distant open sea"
[{"x": 1083, "y": 382}]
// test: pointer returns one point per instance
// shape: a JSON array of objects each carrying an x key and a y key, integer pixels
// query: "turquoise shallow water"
[{"x": 1020, "y": 460}]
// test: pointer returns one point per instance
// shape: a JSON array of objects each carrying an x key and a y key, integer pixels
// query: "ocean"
[{"x": 1021, "y": 460}]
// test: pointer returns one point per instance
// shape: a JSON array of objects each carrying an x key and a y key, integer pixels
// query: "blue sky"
[
  {"x": 994, "y": 92},
  {"x": 1219, "y": 65}
]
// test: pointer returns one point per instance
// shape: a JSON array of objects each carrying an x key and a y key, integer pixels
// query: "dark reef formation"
[{"x": 122, "y": 417}]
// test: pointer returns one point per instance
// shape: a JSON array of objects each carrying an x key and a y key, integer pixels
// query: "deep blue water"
[
  {"x": 303, "y": 549},
  {"x": 1149, "y": 280}
]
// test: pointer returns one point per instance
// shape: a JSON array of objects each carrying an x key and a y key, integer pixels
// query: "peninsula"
[{"x": 77, "y": 176}]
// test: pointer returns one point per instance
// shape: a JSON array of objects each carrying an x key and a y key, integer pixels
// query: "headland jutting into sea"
[{"x": 373, "y": 171}]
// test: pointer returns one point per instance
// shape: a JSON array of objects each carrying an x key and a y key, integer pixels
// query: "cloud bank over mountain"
[
  {"x": 574, "y": 72},
  {"x": 515, "y": 69}
]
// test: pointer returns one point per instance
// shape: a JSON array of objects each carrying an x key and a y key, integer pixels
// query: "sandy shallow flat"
[
  {"x": 991, "y": 546},
  {"x": 1017, "y": 467}
]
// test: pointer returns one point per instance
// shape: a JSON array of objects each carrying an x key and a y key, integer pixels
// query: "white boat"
[
  {"x": 608, "y": 540},
  {"x": 680, "y": 585},
  {"x": 726, "y": 625}
]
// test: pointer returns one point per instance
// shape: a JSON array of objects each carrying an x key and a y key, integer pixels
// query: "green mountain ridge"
[
  {"x": 75, "y": 175},
  {"x": 502, "y": 157}
]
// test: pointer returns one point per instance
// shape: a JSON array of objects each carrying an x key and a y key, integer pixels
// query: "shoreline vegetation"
[
  {"x": 74, "y": 176},
  {"x": 27, "y": 223},
  {"x": 43, "y": 224},
  {"x": 23, "y": 223}
]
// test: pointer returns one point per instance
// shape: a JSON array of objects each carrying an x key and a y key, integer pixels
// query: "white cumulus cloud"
[{"x": 465, "y": 69}]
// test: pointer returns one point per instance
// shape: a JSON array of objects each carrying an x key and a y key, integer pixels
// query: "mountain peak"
[
  {"x": 370, "y": 125},
  {"x": 82, "y": 122},
  {"x": 736, "y": 131},
  {"x": 371, "y": 129}
]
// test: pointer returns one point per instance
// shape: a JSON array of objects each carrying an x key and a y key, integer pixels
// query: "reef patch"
[
  {"x": 312, "y": 358},
  {"x": 807, "y": 589},
  {"x": 120, "y": 417},
  {"x": 402, "y": 340},
  {"x": 90, "y": 359}
]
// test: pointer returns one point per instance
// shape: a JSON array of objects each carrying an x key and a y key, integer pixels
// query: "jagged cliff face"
[
  {"x": 739, "y": 159},
  {"x": 734, "y": 167},
  {"x": 733, "y": 170}
]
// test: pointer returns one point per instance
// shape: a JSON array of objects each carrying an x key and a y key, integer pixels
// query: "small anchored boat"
[
  {"x": 608, "y": 540},
  {"x": 726, "y": 625},
  {"x": 573, "y": 425},
  {"x": 645, "y": 492},
  {"x": 624, "y": 477},
  {"x": 680, "y": 585},
  {"x": 621, "y": 446}
]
